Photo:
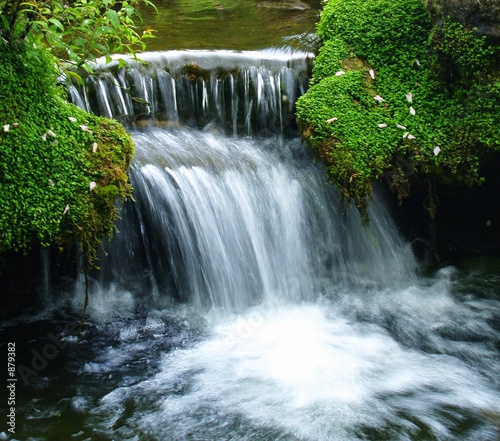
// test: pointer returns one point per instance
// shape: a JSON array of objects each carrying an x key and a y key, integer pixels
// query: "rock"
[
  {"x": 481, "y": 15},
  {"x": 292, "y": 5}
]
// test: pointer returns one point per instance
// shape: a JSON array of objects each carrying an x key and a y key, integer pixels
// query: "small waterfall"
[
  {"x": 241, "y": 93},
  {"x": 239, "y": 299},
  {"x": 229, "y": 223},
  {"x": 318, "y": 327}
]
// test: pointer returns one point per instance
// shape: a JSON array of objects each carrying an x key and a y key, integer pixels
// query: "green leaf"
[
  {"x": 75, "y": 76},
  {"x": 122, "y": 63},
  {"x": 113, "y": 18}
]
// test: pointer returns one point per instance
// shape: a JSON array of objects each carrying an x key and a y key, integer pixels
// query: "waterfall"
[
  {"x": 230, "y": 222},
  {"x": 246, "y": 93},
  {"x": 222, "y": 221},
  {"x": 241, "y": 300}
]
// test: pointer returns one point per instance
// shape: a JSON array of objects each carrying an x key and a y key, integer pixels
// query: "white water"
[{"x": 313, "y": 326}]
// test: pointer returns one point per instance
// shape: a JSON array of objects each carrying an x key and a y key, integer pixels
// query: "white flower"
[
  {"x": 66, "y": 209},
  {"x": 51, "y": 133},
  {"x": 372, "y": 73},
  {"x": 406, "y": 135},
  {"x": 15, "y": 124},
  {"x": 378, "y": 98},
  {"x": 437, "y": 150},
  {"x": 72, "y": 118},
  {"x": 44, "y": 137},
  {"x": 410, "y": 136},
  {"x": 329, "y": 121},
  {"x": 409, "y": 97},
  {"x": 51, "y": 182},
  {"x": 417, "y": 63},
  {"x": 92, "y": 185},
  {"x": 382, "y": 126},
  {"x": 6, "y": 127},
  {"x": 85, "y": 129},
  {"x": 94, "y": 147},
  {"x": 339, "y": 73},
  {"x": 399, "y": 126},
  {"x": 412, "y": 110}
]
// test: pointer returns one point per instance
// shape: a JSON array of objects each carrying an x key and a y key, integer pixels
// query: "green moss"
[
  {"x": 438, "y": 89},
  {"x": 329, "y": 59},
  {"x": 54, "y": 188}
]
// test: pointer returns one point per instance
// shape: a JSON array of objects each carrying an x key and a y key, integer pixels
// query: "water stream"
[{"x": 240, "y": 299}]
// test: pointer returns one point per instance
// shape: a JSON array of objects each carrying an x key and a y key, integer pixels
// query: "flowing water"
[
  {"x": 240, "y": 299},
  {"x": 229, "y": 24}
]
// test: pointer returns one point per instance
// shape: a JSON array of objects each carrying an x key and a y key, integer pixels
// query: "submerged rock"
[{"x": 292, "y": 5}]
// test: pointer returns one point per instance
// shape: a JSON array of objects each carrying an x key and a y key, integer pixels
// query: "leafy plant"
[{"x": 75, "y": 31}]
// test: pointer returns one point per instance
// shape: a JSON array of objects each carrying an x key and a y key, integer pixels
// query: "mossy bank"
[
  {"x": 399, "y": 99},
  {"x": 62, "y": 170}
]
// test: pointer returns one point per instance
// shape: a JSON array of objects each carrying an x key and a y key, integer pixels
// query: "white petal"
[
  {"x": 412, "y": 110},
  {"x": 418, "y": 63},
  {"x": 410, "y": 136},
  {"x": 92, "y": 185},
  {"x": 85, "y": 129},
  {"x": 72, "y": 118},
  {"x": 15, "y": 124},
  {"x": 51, "y": 182},
  {"x": 409, "y": 97},
  {"x": 6, "y": 127},
  {"x": 94, "y": 147},
  {"x": 383, "y": 125},
  {"x": 406, "y": 135},
  {"x": 66, "y": 209},
  {"x": 372, "y": 73},
  {"x": 437, "y": 150},
  {"x": 339, "y": 73},
  {"x": 51, "y": 133},
  {"x": 44, "y": 137},
  {"x": 399, "y": 126},
  {"x": 378, "y": 98},
  {"x": 329, "y": 121}
]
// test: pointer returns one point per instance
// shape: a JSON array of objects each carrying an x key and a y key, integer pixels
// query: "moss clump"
[
  {"x": 61, "y": 169},
  {"x": 393, "y": 96}
]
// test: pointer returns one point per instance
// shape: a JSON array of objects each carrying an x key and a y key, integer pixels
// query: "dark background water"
[{"x": 227, "y": 24}]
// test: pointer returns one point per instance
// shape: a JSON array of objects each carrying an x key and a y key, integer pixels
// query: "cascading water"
[
  {"x": 249, "y": 93},
  {"x": 241, "y": 300}
]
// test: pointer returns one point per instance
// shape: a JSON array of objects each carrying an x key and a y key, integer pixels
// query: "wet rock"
[{"x": 481, "y": 15}]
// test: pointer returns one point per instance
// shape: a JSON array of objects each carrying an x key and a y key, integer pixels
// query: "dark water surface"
[{"x": 227, "y": 24}]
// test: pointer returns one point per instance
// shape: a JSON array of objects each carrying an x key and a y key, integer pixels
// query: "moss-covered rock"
[
  {"x": 393, "y": 96},
  {"x": 61, "y": 169}
]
